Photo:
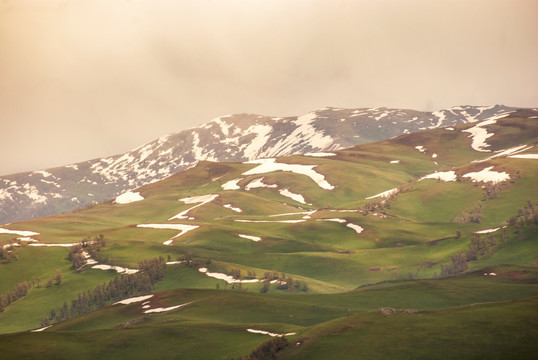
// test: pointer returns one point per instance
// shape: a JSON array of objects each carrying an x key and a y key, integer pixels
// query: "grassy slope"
[
  {"x": 495, "y": 331},
  {"x": 328, "y": 256},
  {"x": 325, "y": 324}
]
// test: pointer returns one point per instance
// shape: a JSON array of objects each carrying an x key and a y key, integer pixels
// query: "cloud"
[{"x": 101, "y": 77}]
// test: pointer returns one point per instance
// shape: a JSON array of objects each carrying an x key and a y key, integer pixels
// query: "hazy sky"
[{"x": 81, "y": 79}]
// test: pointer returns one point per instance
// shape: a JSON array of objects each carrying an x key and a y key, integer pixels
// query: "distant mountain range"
[{"x": 239, "y": 137}]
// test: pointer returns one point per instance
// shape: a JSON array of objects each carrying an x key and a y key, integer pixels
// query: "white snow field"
[
  {"x": 181, "y": 227},
  {"x": 160, "y": 309},
  {"x": 384, "y": 194},
  {"x": 320, "y": 154},
  {"x": 41, "y": 329},
  {"x": 442, "y": 175},
  {"x": 341, "y": 221},
  {"x": 295, "y": 213},
  {"x": 258, "y": 183},
  {"x": 52, "y": 245},
  {"x": 487, "y": 231},
  {"x": 270, "y": 221},
  {"x": 231, "y": 207},
  {"x": 263, "y": 332},
  {"x": 479, "y": 135},
  {"x": 486, "y": 175},
  {"x": 134, "y": 299},
  {"x": 297, "y": 197},
  {"x": 525, "y": 156},
  {"x": 200, "y": 200},
  {"x": 228, "y": 278},
  {"x": 231, "y": 185},
  {"x": 128, "y": 197},
  {"x": 511, "y": 151},
  {"x": 420, "y": 148},
  {"x": 358, "y": 229},
  {"x": 118, "y": 269},
  {"x": 250, "y": 237},
  {"x": 18, "y": 232},
  {"x": 270, "y": 165}
]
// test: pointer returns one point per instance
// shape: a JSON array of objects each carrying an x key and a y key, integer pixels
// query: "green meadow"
[{"x": 334, "y": 260}]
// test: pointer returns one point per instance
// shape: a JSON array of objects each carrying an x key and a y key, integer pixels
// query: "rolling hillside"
[
  {"x": 239, "y": 137},
  {"x": 419, "y": 236}
]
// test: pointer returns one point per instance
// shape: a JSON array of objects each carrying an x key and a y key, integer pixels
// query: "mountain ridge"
[{"x": 236, "y": 137}]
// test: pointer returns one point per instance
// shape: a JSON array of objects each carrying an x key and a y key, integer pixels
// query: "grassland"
[{"x": 343, "y": 275}]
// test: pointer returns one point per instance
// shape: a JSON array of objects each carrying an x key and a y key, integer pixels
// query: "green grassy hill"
[{"x": 325, "y": 252}]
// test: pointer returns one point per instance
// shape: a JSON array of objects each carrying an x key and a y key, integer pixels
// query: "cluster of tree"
[
  {"x": 267, "y": 350},
  {"x": 492, "y": 190},
  {"x": 91, "y": 247},
  {"x": 11, "y": 296},
  {"x": 7, "y": 253},
  {"x": 527, "y": 215},
  {"x": 283, "y": 282},
  {"x": 56, "y": 280},
  {"x": 121, "y": 287},
  {"x": 481, "y": 246},
  {"x": 378, "y": 204},
  {"x": 155, "y": 268},
  {"x": 458, "y": 264},
  {"x": 473, "y": 216},
  {"x": 191, "y": 262},
  {"x": 236, "y": 274}
]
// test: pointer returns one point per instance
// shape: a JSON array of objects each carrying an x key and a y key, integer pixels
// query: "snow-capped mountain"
[{"x": 239, "y": 137}]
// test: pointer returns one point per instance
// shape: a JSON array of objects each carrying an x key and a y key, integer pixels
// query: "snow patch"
[
  {"x": 270, "y": 165},
  {"x": 229, "y": 206},
  {"x": 41, "y": 329},
  {"x": 341, "y": 221},
  {"x": 263, "y": 332},
  {"x": 18, "y": 232},
  {"x": 297, "y": 197},
  {"x": 269, "y": 221},
  {"x": 258, "y": 183},
  {"x": 128, "y": 197},
  {"x": 174, "y": 262},
  {"x": 511, "y": 151},
  {"x": 181, "y": 227},
  {"x": 118, "y": 269},
  {"x": 231, "y": 185},
  {"x": 320, "y": 154},
  {"x": 200, "y": 200},
  {"x": 43, "y": 173},
  {"x": 486, "y": 175},
  {"x": 479, "y": 135},
  {"x": 420, "y": 148},
  {"x": 384, "y": 194},
  {"x": 52, "y": 245},
  {"x": 295, "y": 213},
  {"x": 358, "y": 229},
  {"x": 442, "y": 175},
  {"x": 228, "y": 278},
  {"x": 525, "y": 156},
  {"x": 487, "y": 231},
  {"x": 250, "y": 237},
  {"x": 170, "y": 308},
  {"x": 133, "y": 300}
]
